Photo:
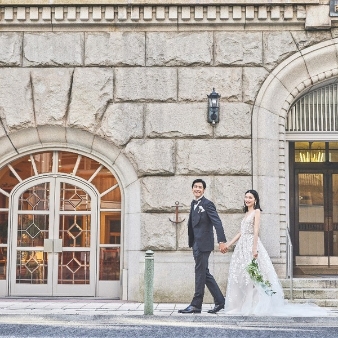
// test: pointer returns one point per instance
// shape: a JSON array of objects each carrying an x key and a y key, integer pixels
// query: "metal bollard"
[{"x": 149, "y": 283}]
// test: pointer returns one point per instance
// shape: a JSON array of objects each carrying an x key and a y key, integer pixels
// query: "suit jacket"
[{"x": 201, "y": 222}]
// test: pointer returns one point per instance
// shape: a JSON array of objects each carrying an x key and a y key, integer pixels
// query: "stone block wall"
[{"x": 139, "y": 78}]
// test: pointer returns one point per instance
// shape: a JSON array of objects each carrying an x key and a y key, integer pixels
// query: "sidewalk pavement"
[{"x": 97, "y": 306}]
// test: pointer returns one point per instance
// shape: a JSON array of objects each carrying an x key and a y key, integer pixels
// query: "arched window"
[
  {"x": 315, "y": 112},
  {"x": 63, "y": 204}
]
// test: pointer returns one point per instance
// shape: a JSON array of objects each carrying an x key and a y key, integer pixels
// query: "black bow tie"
[{"x": 195, "y": 201}]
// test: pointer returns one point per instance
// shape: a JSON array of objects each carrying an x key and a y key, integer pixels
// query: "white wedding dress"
[{"x": 243, "y": 297}]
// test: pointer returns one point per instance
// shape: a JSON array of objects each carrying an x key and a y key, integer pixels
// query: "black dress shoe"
[
  {"x": 190, "y": 309},
  {"x": 217, "y": 308}
]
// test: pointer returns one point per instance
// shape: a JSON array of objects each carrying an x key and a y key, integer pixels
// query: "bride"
[{"x": 243, "y": 295}]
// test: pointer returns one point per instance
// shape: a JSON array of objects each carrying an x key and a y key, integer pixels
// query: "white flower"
[{"x": 200, "y": 209}]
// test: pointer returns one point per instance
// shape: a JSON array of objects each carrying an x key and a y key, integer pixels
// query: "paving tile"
[
  {"x": 165, "y": 306},
  {"x": 99, "y": 307}
]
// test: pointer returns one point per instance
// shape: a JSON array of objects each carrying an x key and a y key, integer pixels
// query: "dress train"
[{"x": 244, "y": 297}]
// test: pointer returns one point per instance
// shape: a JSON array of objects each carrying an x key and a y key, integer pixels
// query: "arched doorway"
[
  {"x": 64, "y": 229},
  {"x": 270, "y": 143},
  {"x": 312, "y": 125}
]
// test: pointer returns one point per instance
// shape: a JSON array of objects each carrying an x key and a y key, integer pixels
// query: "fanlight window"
[
  {"x": 316, "y": 111},
  {"x": 316, "y": 152}
]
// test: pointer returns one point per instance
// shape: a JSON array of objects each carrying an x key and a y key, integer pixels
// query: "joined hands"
[{"x": 223, "y": 248}]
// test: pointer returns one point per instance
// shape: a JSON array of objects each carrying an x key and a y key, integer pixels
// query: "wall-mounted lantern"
[{"x": 213, "y": 107}]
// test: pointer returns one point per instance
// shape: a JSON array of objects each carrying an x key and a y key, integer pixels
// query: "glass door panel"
[
  {"x": 54, "y": 245},
  {"x": 73, "y": 198},
  {"x": 32, "y": 230},
  {"x": 30, "y": 265},
  {"x": 333, "y": 225},
  {"x": 311, "y": 214},
  {"x": 76, "y": 256},
  {"x": 74, "y": 266},
  {"x": 75, "y": 230},
  {"x": 110, "y": 241},
  {"x": 110, "y": 253},
  {"x": 32, "y": 262},
  {"x": 318, "y": 218},
  {"x": 3, "y": 263}
]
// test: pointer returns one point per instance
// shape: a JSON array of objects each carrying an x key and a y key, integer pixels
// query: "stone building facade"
[{"x": 124, "y": 84}]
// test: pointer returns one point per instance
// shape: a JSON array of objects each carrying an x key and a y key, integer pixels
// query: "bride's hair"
[{"x": 255, "y": 194}]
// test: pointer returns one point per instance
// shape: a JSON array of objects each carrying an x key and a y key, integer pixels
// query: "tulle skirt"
[{"x": 244, "y": 297}]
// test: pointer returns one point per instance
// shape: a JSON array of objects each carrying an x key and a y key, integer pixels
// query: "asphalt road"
[{"x": 155, "y": 326}]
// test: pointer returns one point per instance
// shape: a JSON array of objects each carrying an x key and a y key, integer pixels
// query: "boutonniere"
[{"x": 200, "y": 209}]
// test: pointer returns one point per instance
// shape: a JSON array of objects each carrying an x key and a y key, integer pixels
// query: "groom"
[{"x": 203, "y": 217}]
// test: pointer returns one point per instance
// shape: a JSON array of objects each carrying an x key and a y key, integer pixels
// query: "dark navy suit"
[{"x": 201, "y": 222}]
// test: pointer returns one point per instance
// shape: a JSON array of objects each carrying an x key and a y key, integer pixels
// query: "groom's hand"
[{"x": 223, "y": 247}]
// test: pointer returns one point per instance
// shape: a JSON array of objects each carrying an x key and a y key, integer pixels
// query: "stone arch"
[
  {"x": 292, "y": 78},
  {"x": 28, "y": 140}
]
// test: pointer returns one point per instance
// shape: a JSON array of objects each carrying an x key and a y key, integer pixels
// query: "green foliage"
[{"x": 258, "y": 278}]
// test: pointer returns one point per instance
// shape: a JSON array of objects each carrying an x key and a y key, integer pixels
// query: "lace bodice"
[
  {"x": 244, "y": 250},
  {"x": 247, "y": 224}
]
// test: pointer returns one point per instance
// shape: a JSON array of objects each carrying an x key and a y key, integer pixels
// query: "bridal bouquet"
[{"x": 257, "y": 277}]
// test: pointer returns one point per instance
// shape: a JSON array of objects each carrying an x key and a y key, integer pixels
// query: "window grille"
[{"x": 316, "y": 111}]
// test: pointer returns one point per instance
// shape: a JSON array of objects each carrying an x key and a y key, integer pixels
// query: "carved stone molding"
[{"x": 169, "y": 15}]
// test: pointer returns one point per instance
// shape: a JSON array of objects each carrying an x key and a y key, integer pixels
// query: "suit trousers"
[{"x": 202, "y": 278}]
